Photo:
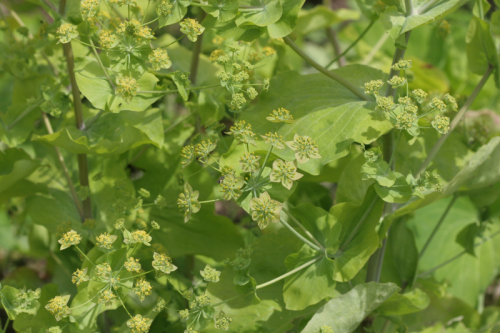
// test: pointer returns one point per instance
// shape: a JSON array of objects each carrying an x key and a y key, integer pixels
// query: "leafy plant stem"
[
  {"x": 6, "y": 324},
  {"x": 195, "y": 58},
  {"x": 323, "y": 70},
  {"x": 393, "y": 155},
  {"x": 352, "y": 44},
  {"x": 146, "y": 13},
  {"x": 438, "y": 225},
  {"x": 264, "y": 164},
  {"x": 25, "y": 113},
  {"x": 133, "y": 277},
  {"x": 101, "y": 64},
  {"x": 124, "y": 306},
  {"x": 293, "y": 271},
  {"x": 207, "y": 201},
  {"x": 455, "y": 122},
  {"x": 302, "y": 238},
  {"x": 302, "y": 227},
  {"x": 83, "y": 254},
  {"x": 76, "y": 200}
]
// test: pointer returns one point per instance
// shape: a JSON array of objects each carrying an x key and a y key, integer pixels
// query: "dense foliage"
[{"x": 203, "y": 165}]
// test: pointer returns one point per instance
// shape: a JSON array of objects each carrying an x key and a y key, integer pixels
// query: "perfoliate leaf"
[
  {"x": 262, "y": 13},
  {"x": 286, "y": 24},
  {"x": 401, "y": 304},
  {"x": 467, "y": 237}
]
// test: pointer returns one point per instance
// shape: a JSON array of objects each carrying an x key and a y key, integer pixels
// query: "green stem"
[
  {"x": 293, "y": 271},
  {"x": 6, "y": 324},
  {"x": 264, "y": 164},
  {"x": 302, "y": 238},
  {"x": 176, "y": 90},
  {"x": 324, "y": 71},
  {"x": 175, "y": 41},
  {"x": 332, "y": 36},
  {"x": 83, "y": 254},
  {"x": 392, "y": 164},
  {"x": 92, "y": 120},
  {"x": 352, "y": 45},
  {"x": 358, "y": 226},
  {"x": 438, "y": 225},
  {"x": 133, "y": 277},
  {"x": 375, "y": 49},
  {"x": 214, "y": 200},
  {"x": 455, "y": 122},
  {"x": 195, "y": 57},
  {"x": 146, "y": 13},
  {"x": 83, "y": 43},
  {"x": 124, "y": 306},
  {"x": 101, "y": 64},
  {"x": 297, "y": 222},
  {"x": 210, "y": 166},
  {"x": 231, "y": 299},
  {"x": 156, "y": 19}
]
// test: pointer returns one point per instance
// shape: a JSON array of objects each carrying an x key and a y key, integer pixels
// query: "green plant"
[{"x": 199, "y": 184}]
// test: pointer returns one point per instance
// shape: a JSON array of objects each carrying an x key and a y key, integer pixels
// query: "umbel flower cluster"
[{"x": 251, "y": 177}]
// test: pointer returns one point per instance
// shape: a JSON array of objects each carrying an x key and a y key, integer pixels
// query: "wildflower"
[
  {"x": 155, "y": 225},
  {"x": 204, "y": 149},
  {"x": 105, "y": 240},
  {"x": 238, "y": 101},
  {"x": 70, "y": 238},
  {"x": 210, "y": 274},
  {"x": 252, "y": 93},
  {"x": 228, "y": 170},
  {"x": 248, "y": 66},
  {"x": 280, "y": 116},
  {"x": 159, "y": 59},
  {"x": 372, "y": 155},
  {"x": 234, "y": 48},
  {"x": 132, "y": 265},
  {"x": 58, "y": 307},
  {"x": 268, "y": 51},
  {"x": 119, "y": 223},
  {"x": 161, "y": 202},
  {"x": 142, "y": 289},
  {"x": 411, "y": 108},
  {"x": 266, "y": 84},
  {"x": 107, "y": 297},
  {"x": 304, "y": 148},
  {"x": 222, "y": 60},
  {"x": 184, "y": 313},
  {"x": 397, "y": 81},
  {"x": 385, "y": 103},
  {"x": 373, "y": 86},
  {"x": 242, "y": 259},
  {"x": 160, "y": 305},
  {"x": 438, "y": 104},
  {"x": 222, "y": 321},
  {"x": 419, "y": 95},
  {"x": 66, "y": 32},
  {"x": 191, "y": 28},
  {"x": 79, "y": 276},
  {"x": 129, "y": 28},
  {"x": 405, "y": 120},
  {"x": 214, "y": 56},
  {"x": 404, "y": 100},
  {"x": 139, "y": 236},
  {"x": 164, "y": 8},
  {"x": 326, "y": 329},
  {"x": 24, "y": 298},
  {"x": 188, "y": 202},
  {"x": 441, "y": 124},
  {"x": 218, "y": 40},
  {"x": 126, "y": 87},
  {"x": 402, "y": 65},
  {"x": 188, "y": 154},
  {"x": 452, "y": 101},
  {"x": 163, "y": 263},
  {"x": 138, "y": 324},
  {"x": 438, "y": 188},
  {"x": 145, "y": 33},
  {"x": 203, "y": 300},
  {"x": 231, "y": 187},
  {"x": 285, "y": 172},
  {"x": 274, "y": 140},
  {"x": 88, "y": 9},
  {"x": 265, "y": 210},
  {"x": 249, "y": 162},
  {"x": 103, "y": 271},
  {"x": 239, "y": 128}
]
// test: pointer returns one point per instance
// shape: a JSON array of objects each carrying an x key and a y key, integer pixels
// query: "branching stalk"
[
  {"x": 297, "y": 222},
  {"x": 293, "y": 271},
  {"x": 302, "y": 238}
]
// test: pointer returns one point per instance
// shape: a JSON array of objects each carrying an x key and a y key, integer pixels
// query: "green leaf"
[
  {"x": 229, "y": 30},
  {"x": 309, "y": 285},
  {"x": 467, "y": 236},
  {"x": 480, "y": 47},
  {"x": 404, "y": 252},
  {"x": 401, "y": 191},
  {"x": 15, "y": 165},
  {"x": 321, "y": 17},
  {"x": 266, "y": 12},
  {"x": 495, "y": 22},
  {"x": 324, "y": 110},
  {"x": 8, "y": 297},
  {"x": 402, "y": 304},
  {"x": 111, "y": 134},
  {"x": 351, "y": 187},
  {"x": 397, "y": 21},
  {"x": 380, "y": 171},
  {"x": 182, "y": 83},
  {"x": 179, "y": 10},
  {"x": 344, "y": 313},
  {"x": 285, "y": 25},
  {"x": 223, "y": 10}
]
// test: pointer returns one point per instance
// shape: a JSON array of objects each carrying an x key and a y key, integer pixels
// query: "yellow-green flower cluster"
[
  {"x": 204, "y": 148},
  {"x": 419, "y": 95},
  {"x": 385, "y": 103},
  {"x": 285, "y": 172},
  {"x": 252, "y": 93},
  {"x": 24, "y": 298},
  {"x": 249, "y": 162},
  {"x": 159, "y": 59},
  {"x": 88, "y": 9},
  {"x": 452, "y": 101},
  {"x": 140, "y": 236},
  {"x": 397, "y": 81},
  {"x": 188, "y": 153},
  {"x": 132, "y": 265},
  {"x": 441, "y": 124},
  {"x": 139, "y": 324},
  {"x": 105, "y": 240},
  {"x": 326, "y": 329},
  {"x": 70, "y": 238},
  {"x": 230, "y": 186},
  {"x": 126, "y": 87},
  {"x": 191, "y": 28},
  {"x": 265, "y": 210},
  {"x": 405, "y": 120},
  {"x": 155, "y": 225},
  {"x": 188, "y": 202},
  {"x": 228, "y": 170},
  {"x": 203, "y": 300},
  {"x": 411, "y": 108},
  {"x": 215, "y": 55},
  {"x": 142, "y": 289},
  {"x": 402, "y": 65},
  {"x": 184, "y": 313},
  {"x": 210, "y": 274},
  {"x": 373, "y": 86},
  {"x": 222, "y": 321},
  {"x": 79, "y": 276},
  {"x": 58, "y": 307},
  {"x": 103, "y": 271},
  {"x": 280, "y": 116},
  {"x": 66, "y": 32},
  {"x": 163, "y": 263},
  {"x": 238, "y": 101},
  {"x": 119, "y": 224},
  {"x": 438, "y": 104},
  {"x": 160, "y": 305},
  {"x": 164, "y": 8},
  {"x": 274, "y": 139},
  {"x": 107, "y": 297},
  {"x": 304, "y": 147},
  {"x": 404, "y": 100},
  {"x": 268, "y": 51}
]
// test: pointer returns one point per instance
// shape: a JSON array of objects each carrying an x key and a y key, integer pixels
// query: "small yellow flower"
[
  {"x": 66, "y": 32},
  {"x": 191, "y": 28},
  {"x": 132, "y": 265},
  {"x": 105, "y": 240},
  {"x": 441, "y": 124},
  {"x": 222, "y": 321},
  {"x": 163, "y": 263},
  {"x": 80, "y": 276},
  {"x": 265, "y": 210},
  {"x": 280, "y": 116},
  {"x": 249, "y": 162},
  {"x": 304, "y": 148},
  {"x": 70, "y": 238},
  {"x": 107, "y": 297},
  {"x": 138, "y": 324},
  {"x": 58, "y": 307},
  {"x": 285, "y": 172},
  {"x": 126, "y": 88},
  {"x": 159, "y": 59},
  {"x": 88, "y": 9},
  {"x": 210, "y": 274},
  {"x": 142, "y": 289}
]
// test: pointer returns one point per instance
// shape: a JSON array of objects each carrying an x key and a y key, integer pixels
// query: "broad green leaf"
[
  {"x": 401, "y": 191},
  {"x": 397, "y": 20},
  {"x": 178, "y": 11},
  {"x": 404, "y": 252},
  {"x": 467, "y": 237},
  {"x": 111, "y": 134},
  {"x": 351, "y": 187},
  {"x": 229, "y": 30},
  {"x": 344, "y": 313},
  {"x": 223, "y": 10},
  {"x": 495, "y": 22},
  {"x": 324, "y": 110},
  {"x": 262, "y": 13},
  {"x": 370, "y": 8},
  {"x": 309, "y": 285},
  {"x": 401, "y": 304},
  {"x": 480, "y": 46},
  {"x": 286, "y": 24},
  {"x": 380, "y": 171},
  {"x": 15, "y": 165},
  {"x": 8, "y": 298},
  {"x": 321, "y": 17}
]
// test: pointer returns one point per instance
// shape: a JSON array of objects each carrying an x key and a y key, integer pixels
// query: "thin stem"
[
  {"x": 375, "y": 49},
  {"x": 6, "y": 324},
  {"x": 297, "y": 222},
  {"x": 83, "y": 254},
  {"x": 426, "y": 7},
  {"x": 100, "y": 63},
  {"x": 358, "y": 226},
  {"x": 324, "y": 71},
  {"x": 302, "y": 238},
  {"x": 455, "y": 122},
  {"x": 438, "y": 225},
  {"x": 332, "y": 36},
  {"x": 206, "y": 201},
  {"x": 392, "y": 164},
  {"x": 210, "y": 166},
  {"x": 133, "y": 277},
  {"x": 231, "y": 299},
  {"x": 25, "y": 113},
  {"x": 86, "y": 44},
  {"x": 352, "y": 45},
  {"x": 92, "y": 120},
  {"x": 293, "y": 271},
  {"x": 146, "y": 13},
  {"x": 156, "y": 19},
  {"x": 175, "y": 41},
  {"x": 264, "y": 164},
  {"x": 76, "y": 200},
  {"x": 176, "y": 90},
  {"x": 124, "y": 306}
]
